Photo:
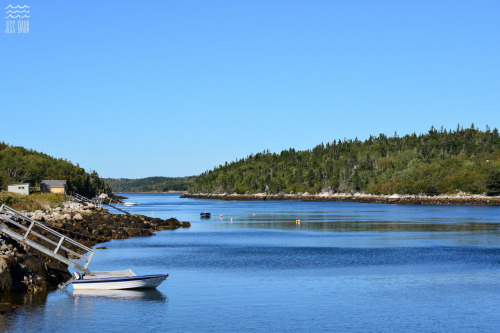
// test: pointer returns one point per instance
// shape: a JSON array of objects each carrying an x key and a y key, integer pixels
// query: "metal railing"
[
  {"x": 80, "y": 198},
  {"x": 12, "y": 218},
  {"x": 98, "y": 202}
]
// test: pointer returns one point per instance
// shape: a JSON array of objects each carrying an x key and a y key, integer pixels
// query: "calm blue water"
[{"x": 347, "y": 267}]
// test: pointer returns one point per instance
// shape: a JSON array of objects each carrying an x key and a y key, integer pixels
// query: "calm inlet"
[{"x": 345, "y": 267}]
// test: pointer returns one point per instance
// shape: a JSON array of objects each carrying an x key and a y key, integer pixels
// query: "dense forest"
[
  {"x": 437, "y": 162},
  {"x": 21, "y": 165},
  {"x": 150, "y": 184}
]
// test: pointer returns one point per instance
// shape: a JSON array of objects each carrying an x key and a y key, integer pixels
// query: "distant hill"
[
  {"x": 150, "y": 184},
  {"x": 437, "y": 162},
  {"x": 21, "y": 165}
]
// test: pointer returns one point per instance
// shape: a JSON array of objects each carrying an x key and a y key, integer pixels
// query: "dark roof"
[{"x": 53, "y": 183}]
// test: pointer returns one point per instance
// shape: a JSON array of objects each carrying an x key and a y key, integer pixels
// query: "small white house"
[{"x": 19, "y": 188}]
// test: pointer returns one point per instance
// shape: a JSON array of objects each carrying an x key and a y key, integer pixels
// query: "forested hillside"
[
  {"x": 21, "y": 165},
  {"x": 150, "y": 184},
  {"x": 439, "y": 161}
]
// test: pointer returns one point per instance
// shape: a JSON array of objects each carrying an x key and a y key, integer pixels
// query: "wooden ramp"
[
  {"x": 115, "y": 207},
  {"x": 19, "y": 227}
]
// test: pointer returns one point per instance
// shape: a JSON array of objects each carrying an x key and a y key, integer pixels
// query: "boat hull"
[{"x": 118, "y": 283}]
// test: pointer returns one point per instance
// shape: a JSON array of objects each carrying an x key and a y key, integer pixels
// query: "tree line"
[
  {"x": 150, "y": 184},
  {"x": 437, "y": 162},
  {"x": 21, "y": 165}
]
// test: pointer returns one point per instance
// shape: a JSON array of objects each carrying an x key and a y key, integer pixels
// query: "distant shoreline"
[
  {"x": 469, "y": 200},
  {"x": 179, "y": 192}
]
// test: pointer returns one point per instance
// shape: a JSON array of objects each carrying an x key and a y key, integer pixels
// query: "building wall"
[
  {"x": 57, "y": 190},
  {"x": 19, "y": 188}
]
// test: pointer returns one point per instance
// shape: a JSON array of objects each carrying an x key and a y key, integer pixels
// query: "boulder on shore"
[{"x": 25, "y": 271}]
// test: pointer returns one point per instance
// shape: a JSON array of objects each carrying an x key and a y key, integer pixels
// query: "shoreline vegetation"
[
  {"x": 149, "y": 184},
  {"x": 22, "y": 165},
  {"x": 460, "y": 199},
  {"x": 437, "y": 163},
  {"x": 151, "y": 192}
]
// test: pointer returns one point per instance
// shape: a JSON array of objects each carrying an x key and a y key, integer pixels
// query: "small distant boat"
[
  {"x": 205, "y": 215},
  {"x": 130, "y": 204},
  {"x": 116, "y": 280}
]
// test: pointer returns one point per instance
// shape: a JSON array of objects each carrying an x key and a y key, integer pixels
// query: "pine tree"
[{"x": 493, "y": 183}]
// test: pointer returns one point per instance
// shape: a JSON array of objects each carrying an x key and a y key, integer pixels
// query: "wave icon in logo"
[
  {"x": 18, "y": 12},
  {"x": 10, "y": 6}
]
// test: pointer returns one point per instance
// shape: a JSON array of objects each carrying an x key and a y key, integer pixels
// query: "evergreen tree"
[
  {"x": 493, "y": 183},
  {"x": 432, "y": 163},
  {"x": 21, "y": 165}
]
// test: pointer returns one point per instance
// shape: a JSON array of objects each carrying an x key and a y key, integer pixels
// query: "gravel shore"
[{"x": 460, "y": 199}]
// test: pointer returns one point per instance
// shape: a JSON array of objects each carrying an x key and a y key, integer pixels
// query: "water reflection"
[
  {"x": 372, "y": 226},
  {"x": 13, "y": 301},
  {"x": 9, "y": 303},
  {"x": 143, "y": 295}
]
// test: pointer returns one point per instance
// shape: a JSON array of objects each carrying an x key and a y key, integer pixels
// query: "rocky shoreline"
[
  {"x": 460, "y": 199},
  {"x": 23, "y": 270}
]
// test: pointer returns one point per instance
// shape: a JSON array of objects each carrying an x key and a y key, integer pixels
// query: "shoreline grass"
[{"x": 32, "y": 202}]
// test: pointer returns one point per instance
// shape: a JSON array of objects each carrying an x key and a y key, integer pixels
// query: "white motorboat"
[
  {"x": 107, "y": 280},
  {"x": 130, "y": 204}
]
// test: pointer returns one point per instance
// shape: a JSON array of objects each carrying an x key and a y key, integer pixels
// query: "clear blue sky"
[{"x": 172, "y": 88}]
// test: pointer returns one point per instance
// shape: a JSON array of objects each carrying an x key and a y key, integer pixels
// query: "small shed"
[
  {"x": 19, "y": 188},
  {"x": 54, "y": 186}
]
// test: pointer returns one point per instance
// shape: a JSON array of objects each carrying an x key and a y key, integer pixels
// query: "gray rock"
[
  {"x": 328, "y": 191},
  {"x": 38, "y": 218},
  {"x": 3, "y": 263},
  {"x": 86, "y": 212},
  {"x": 78, "y": 217}
]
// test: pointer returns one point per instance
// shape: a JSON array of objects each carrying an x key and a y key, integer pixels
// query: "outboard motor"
[{"x": 77, "y": 276}]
